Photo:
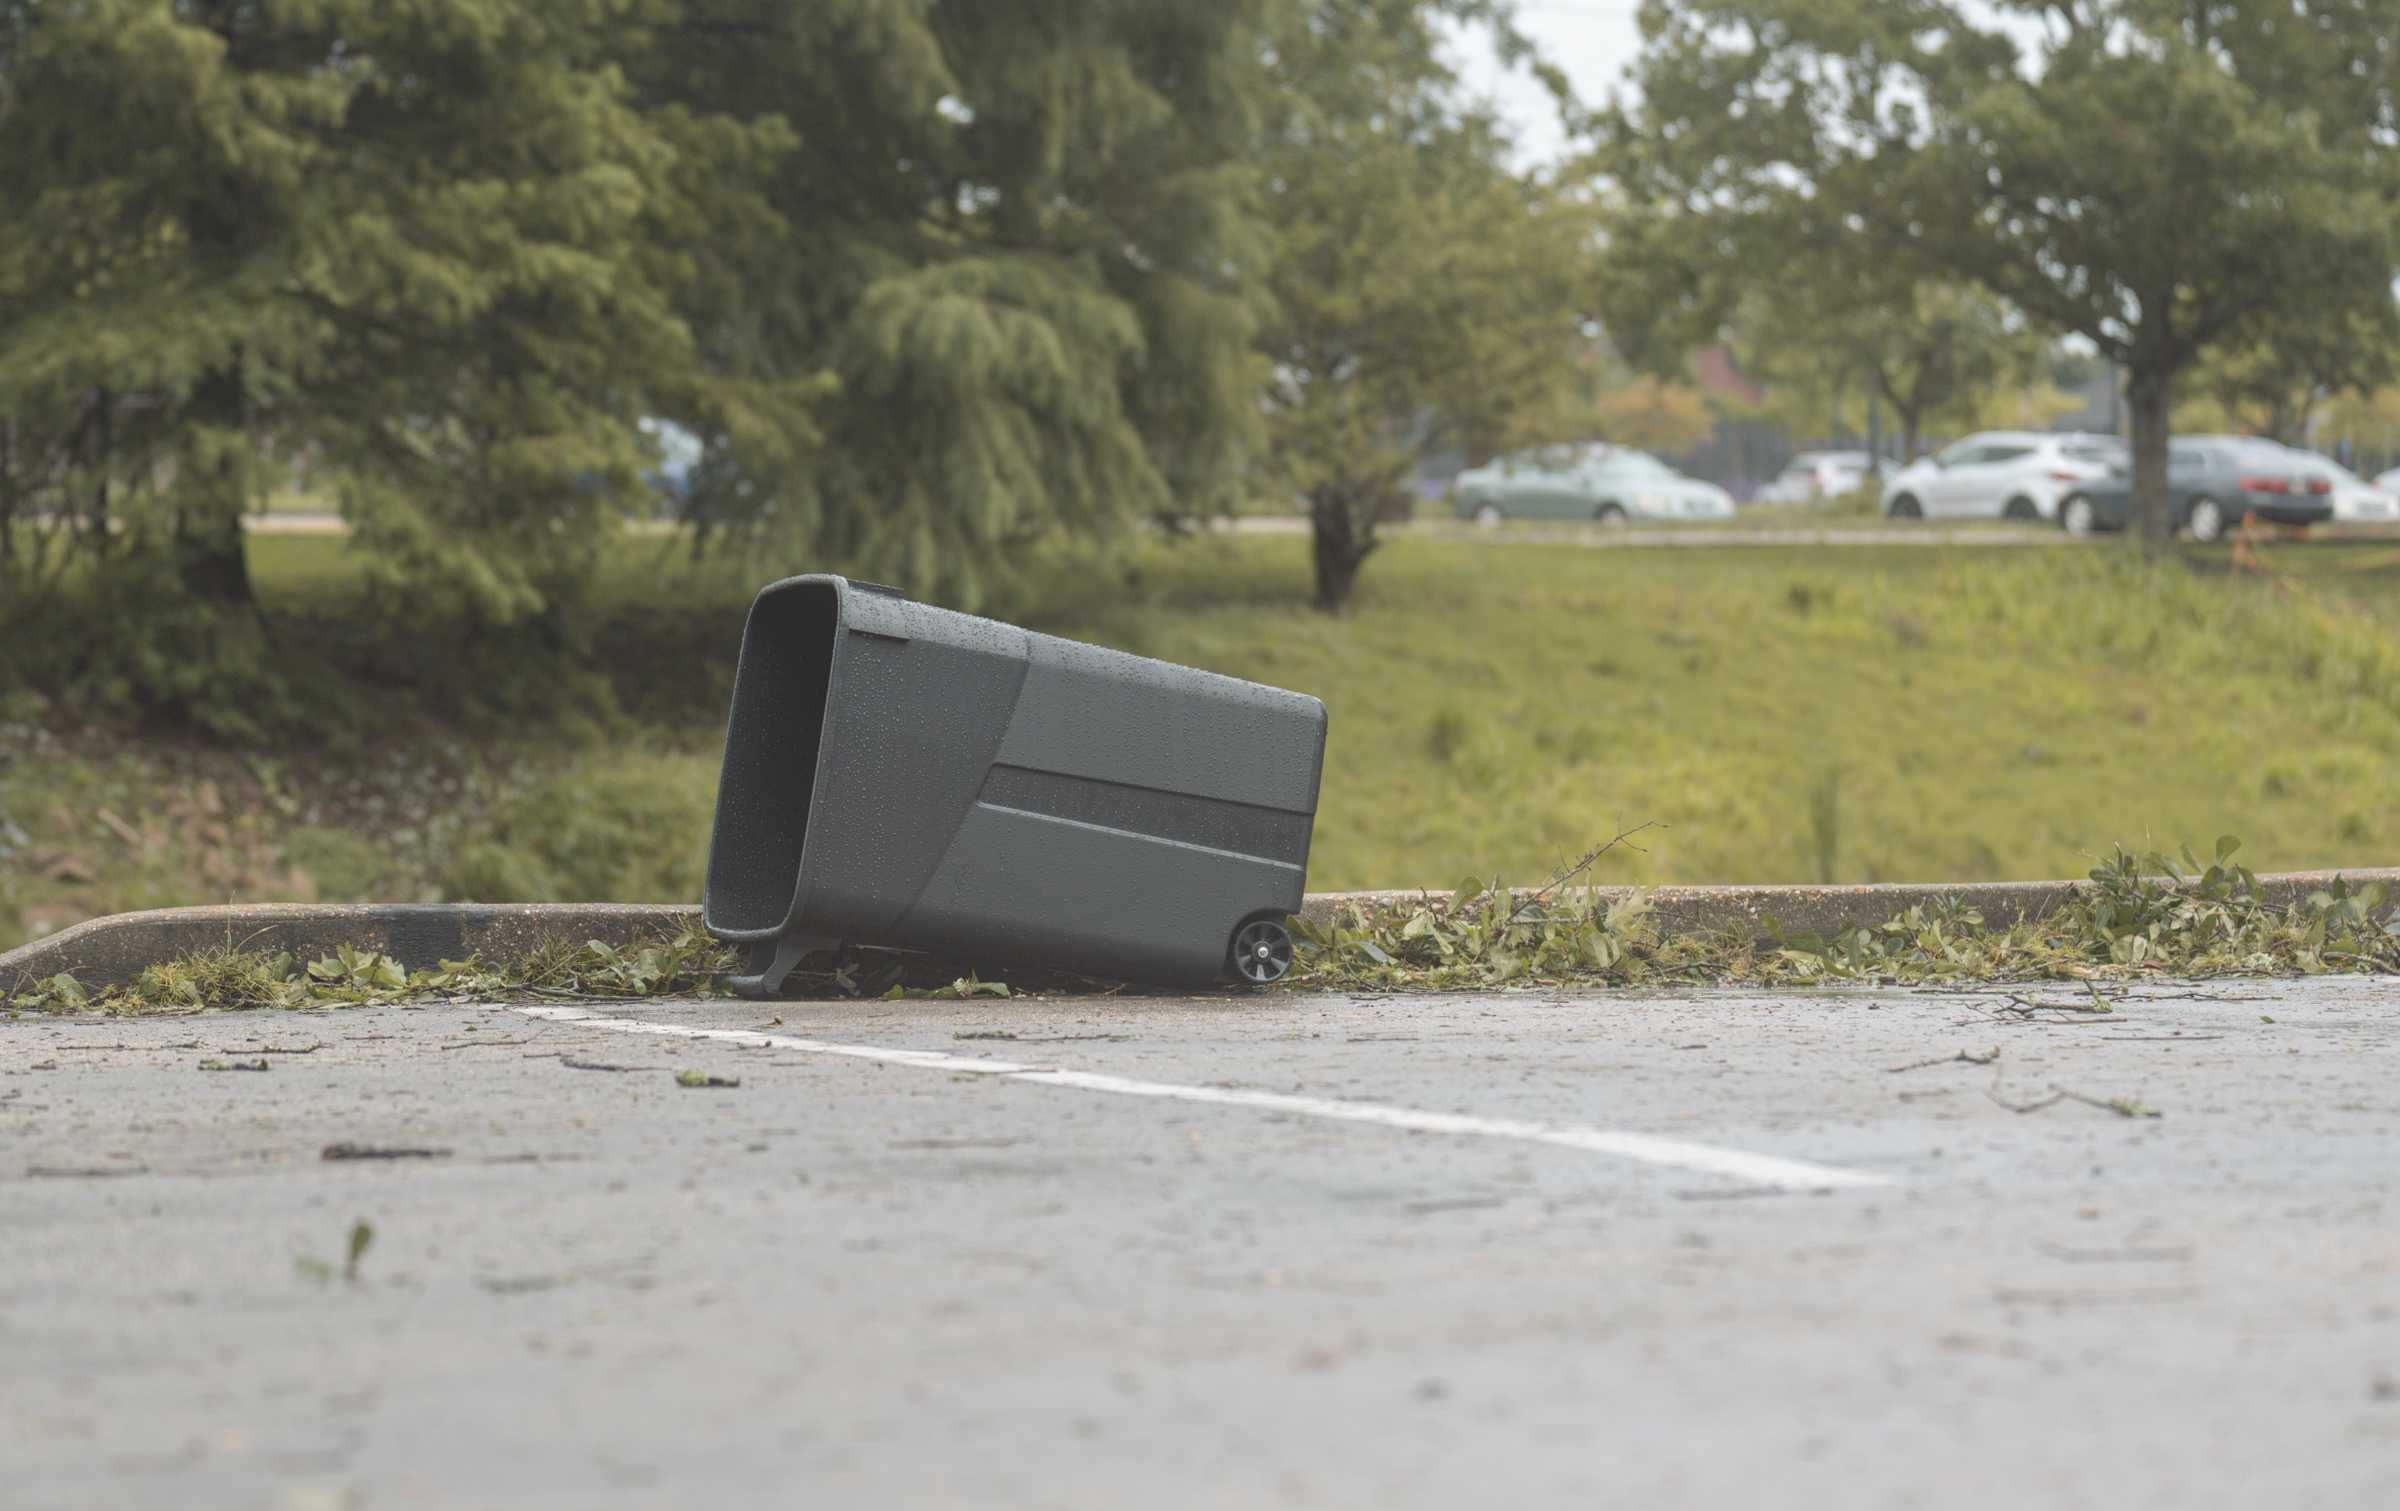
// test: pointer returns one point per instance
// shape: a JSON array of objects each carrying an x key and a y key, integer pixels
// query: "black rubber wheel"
[
  {"x": 2207, "y": 520},
  {"x": 1611, "y": 515},
  {"x": 1905, "y": 507},
  {"x": 2078, "y": 516},
  {"x": 2020, "y": 508},
  {"x": 1262, "y": 951}
]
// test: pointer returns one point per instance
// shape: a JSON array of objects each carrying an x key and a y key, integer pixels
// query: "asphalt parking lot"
[{"x": 1874, "y": 1249}]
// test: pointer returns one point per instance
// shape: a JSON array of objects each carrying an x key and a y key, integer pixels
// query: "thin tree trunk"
[
  {"x": 2147, "y": 396},
  {"x": 1342, "y": 537},
  {"x": 210, "y": 561}
]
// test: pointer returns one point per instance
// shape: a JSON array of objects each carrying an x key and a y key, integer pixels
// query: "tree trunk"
[
  {"x": 210, "y": 561},
  {"x": 1342, "y": 536},
  {"x": 2147, "y": 396}
]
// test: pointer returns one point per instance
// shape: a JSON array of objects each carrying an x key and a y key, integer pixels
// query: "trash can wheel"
[{"x": 1262, "y": 951}]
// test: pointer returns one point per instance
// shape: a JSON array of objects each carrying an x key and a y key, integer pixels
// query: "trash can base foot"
[{"x": 772, "y": 960}]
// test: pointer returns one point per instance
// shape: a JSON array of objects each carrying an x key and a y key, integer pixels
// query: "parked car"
[
  {"x": 2212, "y": 482},
  {"x": 1610, "y": 484},
  {"x": 2000, "y": 474},
  {"x": 1813, "y": 475},
  {"x": 2355, "y": 500}
]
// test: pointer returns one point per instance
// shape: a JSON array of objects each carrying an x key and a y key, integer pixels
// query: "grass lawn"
[
  {"x": 1848, "y": 715},
  {"x": 1786, "y": 715}
]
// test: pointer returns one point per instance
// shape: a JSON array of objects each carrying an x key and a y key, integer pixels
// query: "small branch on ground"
[
  {"x": 1961, "y": 1058},
  {"x": 2124, "y": 1107},
  {"x": 1542, "y": 893}
]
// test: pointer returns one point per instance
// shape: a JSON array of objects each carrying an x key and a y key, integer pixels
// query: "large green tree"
[
  {"x": 2156, "y": 177},
  {"x": 1424, "y": 292},
  {"x": 1016, "y": 241},
  {"x": 1934, "y": 354},
  {"x": 414, "y": 243}
]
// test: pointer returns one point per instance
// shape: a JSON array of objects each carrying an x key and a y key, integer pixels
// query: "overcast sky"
[{"x": 1592, "y": 40}]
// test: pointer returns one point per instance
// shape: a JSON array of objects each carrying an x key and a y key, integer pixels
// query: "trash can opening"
[{"x": 771, "y": 752}]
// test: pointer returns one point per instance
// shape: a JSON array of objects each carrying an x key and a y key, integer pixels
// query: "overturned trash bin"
[{"x": 908, "y": 777}]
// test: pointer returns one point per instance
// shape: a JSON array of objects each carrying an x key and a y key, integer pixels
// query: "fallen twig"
[
  {"x": 2124, "y": 1107},
  {"x": 345, "y": 1151},
  {"x": 1542, "y": 893},
  {"x": 1962, "y": 1057}
]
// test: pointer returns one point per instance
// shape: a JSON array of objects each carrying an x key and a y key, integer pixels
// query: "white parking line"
[{"x": 1756, "y": 1169}]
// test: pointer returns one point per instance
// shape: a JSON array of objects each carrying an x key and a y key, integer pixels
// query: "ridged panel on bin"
[
  {"x": 1094, "y": 898},
  {"x": 1104, "y": 714}
]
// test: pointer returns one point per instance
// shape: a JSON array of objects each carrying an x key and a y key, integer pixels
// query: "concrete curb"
[{"x": 105, "y": 952}]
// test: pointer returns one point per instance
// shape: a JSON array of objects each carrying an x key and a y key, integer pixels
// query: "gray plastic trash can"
[{"x": 904, "y": 776}]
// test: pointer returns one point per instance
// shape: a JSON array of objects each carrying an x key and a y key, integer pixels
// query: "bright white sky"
[{"x": 1592, "y": 40}]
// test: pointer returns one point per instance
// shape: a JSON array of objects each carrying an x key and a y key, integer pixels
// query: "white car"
[
  {"x": 2001, "y": 474},
  {"x": 1813, "y": 475},
  {"x": 2355, "y": 500}
]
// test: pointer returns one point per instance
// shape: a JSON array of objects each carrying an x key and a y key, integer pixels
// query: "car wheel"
[
  {"x": 1489, "y": 515},
  {"x": 2205, "y": 520},
  {"x": 1611, "y": 515},
  {"x": 1905, "y": 507},
  {"x": 2020, "y": 507},
  {"x": 2076, "y": 515}
]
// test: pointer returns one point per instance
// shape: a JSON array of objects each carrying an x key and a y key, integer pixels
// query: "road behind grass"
[{"x": 867, "y": 1281}]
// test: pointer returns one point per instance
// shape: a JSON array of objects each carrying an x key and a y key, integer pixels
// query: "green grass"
[
  {"x": 1849, "y": 715},
  {"x": 1903, "y": 713}
]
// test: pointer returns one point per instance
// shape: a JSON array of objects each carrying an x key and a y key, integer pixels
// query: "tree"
[
  {"x": 1013, "y": 240},
  {"x": 412, "y": 240},
  {"x": 1940, "y": 356},
  {"x": 1423, "y": 292},
  {"x": 2153, "y": 177},
  {"x": 1653, "y": 414},
  {"x": 2269, "y": 379}
]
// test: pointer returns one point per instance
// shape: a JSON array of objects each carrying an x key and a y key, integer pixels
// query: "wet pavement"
[{"x": 1238, "y": 1251}]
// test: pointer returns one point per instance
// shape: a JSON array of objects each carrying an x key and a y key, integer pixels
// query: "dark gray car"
[{"x": 2212, "y": 482}]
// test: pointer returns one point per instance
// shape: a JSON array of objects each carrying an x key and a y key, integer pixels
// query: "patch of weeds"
[
  {"x": 257, "y": 1064},
  {"x": 701, "y": 1080},
  {"x": 2139, "y": 914},
  {"x": 1484, "y": 934},
  {"x": 225, "y": 976},
  {"x": 362, "y": 1235},
  {"x": 1447, "y": 735},
  {"x": 61, "y": 993}
]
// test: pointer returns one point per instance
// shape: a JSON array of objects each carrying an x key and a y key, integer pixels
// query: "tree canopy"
[
  {"x": 2156, "y": 178},
  {"x": 1422, "y": 292}
]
